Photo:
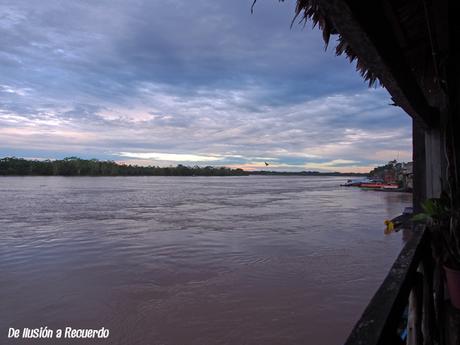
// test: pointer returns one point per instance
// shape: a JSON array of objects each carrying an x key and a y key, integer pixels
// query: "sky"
[{"x": 199, "y": 82}]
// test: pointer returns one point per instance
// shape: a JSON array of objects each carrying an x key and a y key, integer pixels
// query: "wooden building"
[{"x": 411, "y": 48}]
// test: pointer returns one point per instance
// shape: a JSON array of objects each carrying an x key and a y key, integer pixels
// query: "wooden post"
[
  {"x": 433, "y": 161},
  {"x": 415, "y": 313},
  {"x": 419, "y": 167},
  {"x": 429, "y": 327}
]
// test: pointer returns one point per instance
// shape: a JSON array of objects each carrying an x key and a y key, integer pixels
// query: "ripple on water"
[{"x": 238, "y": 260}]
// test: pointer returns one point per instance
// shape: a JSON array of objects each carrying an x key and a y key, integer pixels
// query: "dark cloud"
[{"x": 115, "y": 76}]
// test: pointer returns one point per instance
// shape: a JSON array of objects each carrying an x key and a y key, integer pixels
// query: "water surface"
[{"x": 192, "y": 260}]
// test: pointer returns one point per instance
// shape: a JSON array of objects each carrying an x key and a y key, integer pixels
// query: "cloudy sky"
[{"x": 191, "y": 82}]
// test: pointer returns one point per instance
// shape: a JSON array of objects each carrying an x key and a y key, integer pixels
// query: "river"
[{"x": 192, "y": 260}]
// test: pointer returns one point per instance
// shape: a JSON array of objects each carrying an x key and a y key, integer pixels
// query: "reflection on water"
[{"x": 192, "y": 260}]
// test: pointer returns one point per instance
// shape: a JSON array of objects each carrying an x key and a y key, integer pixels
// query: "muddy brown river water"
[{"x": 192, "y": 260}]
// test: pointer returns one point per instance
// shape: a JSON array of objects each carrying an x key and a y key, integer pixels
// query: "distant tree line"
[
  {"x": 74, "y": 166},
  {"x": 306, "y": 173}
]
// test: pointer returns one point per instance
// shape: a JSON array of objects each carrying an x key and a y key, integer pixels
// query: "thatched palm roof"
[
  {"x": 393, "y": 42},
  {"x": 312, "y": 10}
]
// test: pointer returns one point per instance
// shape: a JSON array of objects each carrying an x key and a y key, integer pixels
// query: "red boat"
[{"x": 379, "y": 185}]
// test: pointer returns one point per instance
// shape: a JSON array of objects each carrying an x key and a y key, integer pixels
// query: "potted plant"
[{"x": 443, "y": 220}]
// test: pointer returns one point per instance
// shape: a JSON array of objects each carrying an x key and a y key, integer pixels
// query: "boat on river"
[
  {"x": 352, "y": 183},
  {"x": 372, "y": 184},
  {"x": 356, "y": 183},
  {"x": 379, "y": 186},
  {"x": 363, "y": 182}
]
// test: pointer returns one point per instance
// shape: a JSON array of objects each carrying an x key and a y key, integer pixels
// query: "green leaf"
[
  {"x": 422, "y": 217},
  {"x": 429, "y": 206}
]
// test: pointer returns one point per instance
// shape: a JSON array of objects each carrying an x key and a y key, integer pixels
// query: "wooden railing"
[{"x": 403, "y": 306}]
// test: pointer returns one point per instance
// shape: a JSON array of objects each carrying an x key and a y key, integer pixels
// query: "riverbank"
[{"x": 74, "y": 166}]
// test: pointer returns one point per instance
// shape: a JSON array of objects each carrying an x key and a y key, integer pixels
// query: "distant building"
[
  {"x": 389, "y": 175},
  {"x": 408, "y": 175},
  {"x": 395, "y": 172}
]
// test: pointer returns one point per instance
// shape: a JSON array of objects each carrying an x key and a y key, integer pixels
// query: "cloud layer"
[{"x": 167, "y": 82}]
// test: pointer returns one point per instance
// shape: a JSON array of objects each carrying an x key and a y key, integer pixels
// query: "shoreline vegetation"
[{"x": 74, "y": 166}]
